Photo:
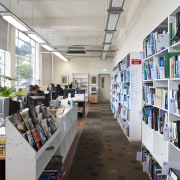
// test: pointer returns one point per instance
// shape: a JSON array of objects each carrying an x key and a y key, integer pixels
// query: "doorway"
[{"x": 104, "y": 88}]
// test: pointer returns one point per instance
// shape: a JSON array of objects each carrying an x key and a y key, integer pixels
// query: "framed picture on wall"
[
  {"x": 64, "y": 80},
  {"x": 93, "y": 80}
]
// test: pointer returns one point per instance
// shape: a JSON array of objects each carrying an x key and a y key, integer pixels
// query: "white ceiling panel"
[{"x": 117, "y": 3}]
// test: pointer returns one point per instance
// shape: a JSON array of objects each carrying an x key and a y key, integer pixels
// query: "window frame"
[{"x": 33, "y": 60}]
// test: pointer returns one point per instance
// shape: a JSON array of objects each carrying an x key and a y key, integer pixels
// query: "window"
[
  {"x": 27, "y": 60},
  {"x": 5, "y": 66}
]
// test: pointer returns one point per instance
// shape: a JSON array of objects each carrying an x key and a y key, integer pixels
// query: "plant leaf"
[{"x": 11, "y": 89}]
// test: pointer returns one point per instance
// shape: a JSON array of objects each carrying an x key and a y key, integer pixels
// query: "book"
[
  {"x": 46, "y": 129},
  {"x": 158, "y": 97},
  {"x": 45, "y": 177},
  {"x": 14, "y": 119},
  {"x": 178, "y": 132},
  {"x": 54, "y": 165},
  {"x": 155, "y": 119},
  {"x": 36, "y": 138},
  {"x": 41, "y": 134},
  {"x": 167, "y": 62},
  {"x": 27, "y": 119},
  {"x": 21, "y": 127},
  {"x": 30, "y": 139},
  {"x": 51, "y": 124},
  {"x": 19, "y": 116},
  {"x": 156, "y": 41}
]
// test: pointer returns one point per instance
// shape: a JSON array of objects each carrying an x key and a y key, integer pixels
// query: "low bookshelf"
[{"x": 24, "y": 162}]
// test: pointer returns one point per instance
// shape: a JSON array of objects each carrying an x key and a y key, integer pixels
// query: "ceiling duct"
[
  {"x": 76, "y": 50},
  {"x": 114, "y": 11}
]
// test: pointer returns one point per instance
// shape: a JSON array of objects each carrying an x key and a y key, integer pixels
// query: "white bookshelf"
[
  {"x": 130, "y": 100},
  {"x": 80, "y": 80},
  {"x": 23, "y": 162},
  {"x": 161, "y": 150}
]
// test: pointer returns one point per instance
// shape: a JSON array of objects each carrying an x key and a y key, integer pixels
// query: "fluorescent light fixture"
[
  {"x": 106, "y": 47},
  {"x": 47, "y": 47},
  {"x": 104, "y": 55},
  {"x": 117, "y": 3},
  {"x": 15, "y": 22},
  {"x": 35, "y": 37},
  {"x": 2, "y": 9},
  {"x": 58, "y": 54},
  {"x": 113, "y": 19},
  {"x": 108, "y": 37}
]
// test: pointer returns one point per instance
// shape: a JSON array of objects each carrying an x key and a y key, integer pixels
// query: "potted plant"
[{"x": 9, "y": 92}]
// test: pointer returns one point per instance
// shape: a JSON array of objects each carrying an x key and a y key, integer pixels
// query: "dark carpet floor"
[{"x": 103, "y": 152}]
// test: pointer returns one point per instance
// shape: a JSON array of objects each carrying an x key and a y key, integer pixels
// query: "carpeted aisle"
[{"x": 103, "y": 152}]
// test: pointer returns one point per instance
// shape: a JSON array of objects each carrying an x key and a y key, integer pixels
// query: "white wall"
[
  {"x": 141, "y": 18},
  {"x": 90, "y": 66}
]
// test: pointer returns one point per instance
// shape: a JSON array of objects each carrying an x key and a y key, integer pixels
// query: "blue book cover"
[
  {"x": 148, "y": 111},
  {"x": 161, "y": 61},
  {"x": 166, "y": 100}
]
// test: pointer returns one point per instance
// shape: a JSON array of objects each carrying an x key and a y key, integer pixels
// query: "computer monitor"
[
  {"x": 8, "y": 107},
  {"x": 93, "y": 89},
  {"x": 67, "y": 91},
  {"x": 35, "y": 99},
  {"x": 4, "y": 107},
  {"x": 47, "y": 96},
  {"x": 80, "y": 91}
]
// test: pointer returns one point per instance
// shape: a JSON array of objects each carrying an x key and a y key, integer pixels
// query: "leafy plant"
[
  {"x": 3, "y": 78},
  {"x": 5, "y": 92}
]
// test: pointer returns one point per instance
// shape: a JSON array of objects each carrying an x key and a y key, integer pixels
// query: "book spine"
[
  {"x": 167, "y": 66},
  {"x": 170, "y": 34}
]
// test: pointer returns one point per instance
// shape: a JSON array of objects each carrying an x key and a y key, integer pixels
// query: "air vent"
[{"x": 76, "y": 50}]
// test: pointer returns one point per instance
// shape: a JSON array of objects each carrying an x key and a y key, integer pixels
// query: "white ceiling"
[{"x": 64, "y": 23}]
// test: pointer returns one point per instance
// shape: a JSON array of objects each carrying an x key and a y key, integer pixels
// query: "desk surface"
[{"x": 78, "y": 101}]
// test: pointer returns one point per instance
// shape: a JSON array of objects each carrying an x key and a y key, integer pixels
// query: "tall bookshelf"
[
  {"x": 80, "y": 81},
  {"x": 126, "y": 94},
  {"x": 161, "y": 77}
]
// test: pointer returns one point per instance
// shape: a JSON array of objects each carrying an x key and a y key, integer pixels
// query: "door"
[{"x": 104, "y": 88}]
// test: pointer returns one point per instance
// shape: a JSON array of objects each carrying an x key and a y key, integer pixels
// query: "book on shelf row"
[
  {"x": 125, "y": 127},
  {"x": 175, "y": 101},
  {"x": 54, "y": 170},
  {"x": 124, "y": 64},
  {"x": 174, "y": 26},
  {"x": 35, "y": 129},
  {"x": 156, "y": 41},
  {"x": 148, "y": 93},
  {"x": 175, "y": 133},
  {"x": 126, "y": 76},
  {"x": 155, "y": 96},
  {"x": 152, "y": 167},
  {"x": 155, "y": 118},
  {"x": 167, "y": 66},
  {"x": 161, "y": 98}
]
